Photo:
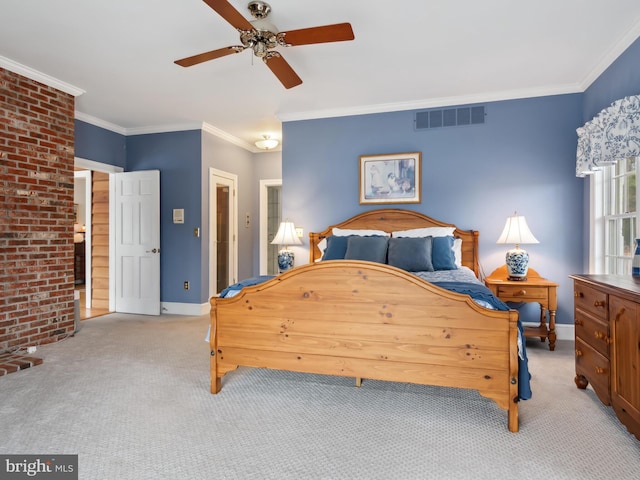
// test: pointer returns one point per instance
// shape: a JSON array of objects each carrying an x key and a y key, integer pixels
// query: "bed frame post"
[
  {"x": 513, "y": 371},
  {"x": 216, "y": 382}
]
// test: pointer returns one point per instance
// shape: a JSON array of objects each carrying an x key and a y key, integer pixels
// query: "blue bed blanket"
[
  {"x": 476, "y": 290},
  {"x": 233, "y": 290},
  {"x": 485, "y": 297}
]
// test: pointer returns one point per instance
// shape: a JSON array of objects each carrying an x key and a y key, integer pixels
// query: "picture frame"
[{"x": 391, "y": 178}]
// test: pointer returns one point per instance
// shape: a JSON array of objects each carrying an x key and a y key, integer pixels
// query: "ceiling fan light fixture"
[
  {"x": 260, "y": 49},
  {"x": 259, "y": 9},
  {"x": 267, "y": 143}
]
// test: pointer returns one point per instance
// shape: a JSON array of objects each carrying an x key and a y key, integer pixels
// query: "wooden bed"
[{"x": 370, "y": 320}]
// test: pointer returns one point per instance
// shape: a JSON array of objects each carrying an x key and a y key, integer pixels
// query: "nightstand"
[{"x": 535, "y": 289}]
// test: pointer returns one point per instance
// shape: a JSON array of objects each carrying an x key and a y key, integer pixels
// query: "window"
[{"x": 618, "y": 228}]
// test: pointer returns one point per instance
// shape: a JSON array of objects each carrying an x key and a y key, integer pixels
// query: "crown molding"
[
  {"x": 98, "y": 122},
  {"x": 612, "y": 55},
  {"x": 29, "y": 72},
  {"x": 432, "y": 103},
  {"x": 178, "y": 127},
  {"x": 229, "y": 138},
  {"x": 168, "y": 129}
]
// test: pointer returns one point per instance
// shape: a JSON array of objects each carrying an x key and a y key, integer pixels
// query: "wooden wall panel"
[{"x": 100, "y": 240}]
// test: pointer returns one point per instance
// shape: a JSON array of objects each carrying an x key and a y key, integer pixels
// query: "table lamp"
[
  {"x": 286, "y": 236},
  {"x": 517, "y": 231}
]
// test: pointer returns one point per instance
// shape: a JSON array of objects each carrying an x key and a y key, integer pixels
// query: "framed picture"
[{"x": 391, "y": 178}]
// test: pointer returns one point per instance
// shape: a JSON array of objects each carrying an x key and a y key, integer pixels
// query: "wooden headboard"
[{"x": 391, "y": 220}]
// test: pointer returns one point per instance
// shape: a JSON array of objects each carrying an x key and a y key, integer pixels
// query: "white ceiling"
[{"x": 406, "y": 54}]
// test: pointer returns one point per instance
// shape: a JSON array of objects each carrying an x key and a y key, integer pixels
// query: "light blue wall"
[
  {"x": 522, "y": 158},
  {"x": 100, "y": 145},
  {"x": 621, "y": 79},
  {"x": 178, "y": 157}
]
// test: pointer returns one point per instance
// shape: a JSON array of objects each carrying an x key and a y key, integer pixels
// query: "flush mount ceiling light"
[{"x": 267, "y": 143}]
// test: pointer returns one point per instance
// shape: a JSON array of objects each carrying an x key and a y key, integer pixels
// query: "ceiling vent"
[{"x": 450, "y": 117}]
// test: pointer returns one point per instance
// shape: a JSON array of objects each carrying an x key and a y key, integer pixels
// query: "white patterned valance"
[{"x": 613, "y": 134}]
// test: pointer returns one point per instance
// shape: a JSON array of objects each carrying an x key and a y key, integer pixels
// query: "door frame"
[
  {"x": 225, "y": 178},
  {"x": 85, "y": 177},
  {"x": 264, "y": 217},
  {"x": 110, "y": 169}
]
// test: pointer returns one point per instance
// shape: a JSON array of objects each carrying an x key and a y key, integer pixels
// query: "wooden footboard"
[{"x": 368, "y": 320}]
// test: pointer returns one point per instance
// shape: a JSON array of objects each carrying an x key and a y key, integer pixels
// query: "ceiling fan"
[{"x": 262, "y": 37}]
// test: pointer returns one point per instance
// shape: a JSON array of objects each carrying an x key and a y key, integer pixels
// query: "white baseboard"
[
  {"x": 192, "y": 309},
  {"x": 564, "y": 331}
]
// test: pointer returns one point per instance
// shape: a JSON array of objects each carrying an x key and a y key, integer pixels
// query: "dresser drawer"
[
  {"x": 592, "y": 331},
  {"x": 517, "y": 293},
  {"x": 595, "y": 368},
  {"x": 590, "y": 299}
]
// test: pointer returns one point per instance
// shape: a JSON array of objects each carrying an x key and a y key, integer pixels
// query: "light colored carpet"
[{"x": 130, "y": 395}]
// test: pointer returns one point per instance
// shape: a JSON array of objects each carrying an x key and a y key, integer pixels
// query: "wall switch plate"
[
  {"x": 178, "y": 215},
  {"x": 186, "y": 284},
  {"x": 299, "y": 232}
]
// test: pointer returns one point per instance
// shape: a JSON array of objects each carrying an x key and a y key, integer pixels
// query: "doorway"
[
  {"x": 223, "y": 230},
  {"x": 270, "y": 218},
  {"x": 91, "y": 179}
]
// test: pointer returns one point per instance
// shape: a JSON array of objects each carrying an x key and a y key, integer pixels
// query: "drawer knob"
[
  {"x": 600, "y": 370},
  {"x": 578, "y": 294},
  {"x": 578, "y": 353},
  {"x": 579, "y": 322},
  {"x": 602, "y": 336},
  {"x": 599, "y": 303},
  {"x": 521, "y": 293}
]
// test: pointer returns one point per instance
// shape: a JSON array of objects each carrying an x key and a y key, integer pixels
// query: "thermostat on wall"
[{"x": 178, "y": 215}]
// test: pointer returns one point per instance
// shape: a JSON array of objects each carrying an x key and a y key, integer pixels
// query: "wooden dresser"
[{"x": 607, "y": 336}]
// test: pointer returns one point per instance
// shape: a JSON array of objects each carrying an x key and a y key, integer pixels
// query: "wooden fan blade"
[
  {"x": 230, "y": 14},
  {"x": 204, "y": 57},
  {"x": 283, "y": 71},
  {"x": 339, "y": 32}
]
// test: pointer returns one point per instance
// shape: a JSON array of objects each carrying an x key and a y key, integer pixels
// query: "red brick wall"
[{"x": 36, "y": 212}]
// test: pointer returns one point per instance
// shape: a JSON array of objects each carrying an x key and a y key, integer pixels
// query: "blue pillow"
[
  {"x": 411, "y": 254},
  {"x": 442, "y": 255},
  {"x": 336, "y": 248},
  {"x": 373, "y": 249}
]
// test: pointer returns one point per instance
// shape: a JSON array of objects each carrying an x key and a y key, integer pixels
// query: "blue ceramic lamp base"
[
  {"x": 285, "y": 260},
  {"x": 517, "y": 261}
]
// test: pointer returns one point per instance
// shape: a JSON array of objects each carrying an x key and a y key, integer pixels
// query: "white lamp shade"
[
  {"x": 516, "y": 232},
  {"x": 286, "y": 235}
]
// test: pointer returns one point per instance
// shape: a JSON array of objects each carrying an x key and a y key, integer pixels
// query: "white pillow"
[
  {"x": 342, "y": 232},
  {"x": 426, "y": 232},
  {"x": 322, "y": 245},
  {"x": 457, "y": 251}
]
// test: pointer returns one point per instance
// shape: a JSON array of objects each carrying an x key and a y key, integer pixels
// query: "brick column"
[{"x": 36, "y": 212}]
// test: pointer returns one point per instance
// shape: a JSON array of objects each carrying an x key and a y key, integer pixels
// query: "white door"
[
  {"x": 137, "y": 246},
  {"x": 223, "y": 230}
]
